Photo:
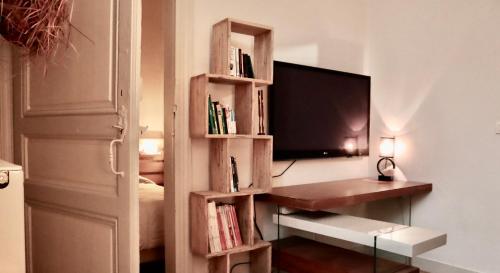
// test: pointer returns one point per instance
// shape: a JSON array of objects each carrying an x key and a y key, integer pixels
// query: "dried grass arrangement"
[{"x": 40, "y": 27}]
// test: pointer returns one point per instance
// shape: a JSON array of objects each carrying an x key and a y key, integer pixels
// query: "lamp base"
[{"x": 385, "y": 178}]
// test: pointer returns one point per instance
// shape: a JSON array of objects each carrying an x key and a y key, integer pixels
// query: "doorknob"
[
  {"x": 123, "y": 127},
  {"x": 4, "y": 179}
]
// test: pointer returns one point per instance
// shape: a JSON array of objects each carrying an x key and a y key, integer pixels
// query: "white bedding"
[{"x": 150, "y": 215}]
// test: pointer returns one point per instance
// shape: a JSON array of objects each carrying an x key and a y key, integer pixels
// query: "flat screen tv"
[{"x": 318, "y": 113}]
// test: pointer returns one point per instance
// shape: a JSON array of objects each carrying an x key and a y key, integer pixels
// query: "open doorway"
[{"x": 151, "y": 147}]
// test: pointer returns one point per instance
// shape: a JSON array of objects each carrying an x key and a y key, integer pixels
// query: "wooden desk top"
[{"x": 334, "y": 194}]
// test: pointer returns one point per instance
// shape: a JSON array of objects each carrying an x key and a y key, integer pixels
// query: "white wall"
[
  {"x": 151, "y": 101},
  {"x": 435, "y": 69}
]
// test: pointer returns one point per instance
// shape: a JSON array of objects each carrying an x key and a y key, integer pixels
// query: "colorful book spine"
[
  {"x": 213, "y": 229},
  {"x": 232, "y": 61},
  {"x": 225, "y": 223},
  {"x": 211, "y": 120},
  {"x": 234, "y": 175},
  {"x": 236, "y": 227},
  {"x": 218, "y": 117}
]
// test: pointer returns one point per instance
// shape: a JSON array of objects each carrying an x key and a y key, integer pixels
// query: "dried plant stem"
[{"x": 39, "y": 26}]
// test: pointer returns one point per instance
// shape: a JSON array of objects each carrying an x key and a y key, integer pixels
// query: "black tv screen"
[{"x": 317, "y": 113}]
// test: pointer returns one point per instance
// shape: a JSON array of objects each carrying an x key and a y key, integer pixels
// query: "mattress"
[{"x": 150, "y": 215}]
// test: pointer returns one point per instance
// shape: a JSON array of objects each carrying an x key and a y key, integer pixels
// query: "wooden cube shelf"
[
  {"x": 262, "y": 52},
  {"x": 220, "y": 165},
  {"x": 260, "y": 258},
  {"x": 219, "y": 264},
  {"x": 199, "y": 220},
  {"x": 245, "y": 95},
  {"x": 246, "y": 113}
]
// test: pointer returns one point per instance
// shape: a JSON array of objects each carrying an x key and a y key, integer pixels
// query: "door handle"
[
  {"x": 4, "y": 179},
  {"x": 123, "y": 127}
]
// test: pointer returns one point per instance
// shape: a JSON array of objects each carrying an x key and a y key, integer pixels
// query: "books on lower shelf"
[
  {"x": 240, "y": 64},
  {"x": 223, "y": 228},
  {"x": 221, "y": 118}
]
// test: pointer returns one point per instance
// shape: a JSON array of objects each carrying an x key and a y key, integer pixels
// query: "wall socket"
[{"x": 497, "y": 128}]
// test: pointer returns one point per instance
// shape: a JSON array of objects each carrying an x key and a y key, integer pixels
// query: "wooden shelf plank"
[
  {"x": 226, "y": 79},
  {"x": 209, "y": 195},
  {"x": 302, "y": 255},
  {"x": 248, "y": 28},
  {"x": 231, "y": 136},
  {"x": 334, "y": 194},
  {"x": 400, "y": 239},
  {"x": 245, "y": 248}
]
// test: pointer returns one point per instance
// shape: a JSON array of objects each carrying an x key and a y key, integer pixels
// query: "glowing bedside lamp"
[
  {"x": 151, "y": 144},
  {"x": 386, "y": 165}
]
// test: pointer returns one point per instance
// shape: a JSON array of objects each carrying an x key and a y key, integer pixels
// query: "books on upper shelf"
[
  {"x": 240, "y": 64},
  {"x": 223, "y": 228},
  {"x": 221, "y": 118}
]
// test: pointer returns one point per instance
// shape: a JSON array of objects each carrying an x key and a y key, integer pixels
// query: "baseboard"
[{"x": 437, "y": 267}]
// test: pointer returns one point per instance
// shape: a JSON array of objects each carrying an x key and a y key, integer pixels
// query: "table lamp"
[{"x": 386, "y": 165}]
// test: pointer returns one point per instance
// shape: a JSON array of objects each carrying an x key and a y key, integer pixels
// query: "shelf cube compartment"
[
  {"x": 220, "y": 164},
  {"x": 219, "y": 264},
  {"x": 244, "y": 105},
  {"x": 262, "y": 52},
  {"x": 199, "y": 220}
]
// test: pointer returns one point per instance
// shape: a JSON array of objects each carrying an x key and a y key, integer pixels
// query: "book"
[
  {"x": 237, "y": 62},
  {"x": 213, "y": 229},
  {"x": 214, "y": 118},
  {"x": 211, "y": 120},
  {"x": 218, "y": 117},
  {"x": 233, "y": 122},
  {"x": 247, "y": 61},
  {"x": 232, "y": 61},
  {"x": 231, "y": 178},
  {"x": 239, "y": 241},
  {"x": 261, "y": 111},
  {"x": 230, "y": 222},
  {"x": 240, "y": 63},
  {"x": 234, "y": 175},
  {"x": 225, "y": 227},
  {"x": 224, "y": 119},
  {"x": 227, "y": 119},
  {"x": 222, "y": 235}
]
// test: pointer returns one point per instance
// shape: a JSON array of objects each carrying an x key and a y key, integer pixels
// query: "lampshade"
[{"x": 387, "y": 146}]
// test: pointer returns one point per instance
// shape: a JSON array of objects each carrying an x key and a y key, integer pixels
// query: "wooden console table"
[
  {"x": 329, "y": 195},
  {"x": 334, "y": 194}
]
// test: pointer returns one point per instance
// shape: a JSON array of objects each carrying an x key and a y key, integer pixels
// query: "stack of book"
[
  {"x": 221, "y": 119},
  {"x": 223, "y": 229},
  {"x": 240, "y": 64}
]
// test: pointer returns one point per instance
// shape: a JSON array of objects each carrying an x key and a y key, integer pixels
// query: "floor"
[
  {"x": 159, "y": 267},
  {"x": 154, "y": 267}
]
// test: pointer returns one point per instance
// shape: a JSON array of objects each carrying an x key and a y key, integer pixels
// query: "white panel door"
[{"x": 80, "y": 217}]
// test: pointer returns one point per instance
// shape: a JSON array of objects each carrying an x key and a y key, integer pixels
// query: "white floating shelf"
[{"x": 400, "y": 239}]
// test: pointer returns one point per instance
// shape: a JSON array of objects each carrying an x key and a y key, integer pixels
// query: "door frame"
[
  {"x": 6, "y": 114},
  {"x": 178, "y": 23}
]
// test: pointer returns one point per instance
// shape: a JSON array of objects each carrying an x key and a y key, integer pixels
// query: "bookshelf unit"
[{"x": 245, "y": 108}]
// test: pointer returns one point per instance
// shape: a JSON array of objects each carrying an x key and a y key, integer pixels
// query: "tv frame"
[{"x": 294, "y": 155}]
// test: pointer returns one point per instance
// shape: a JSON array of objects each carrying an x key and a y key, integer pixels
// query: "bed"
[{"x": 151, "y": 224}]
